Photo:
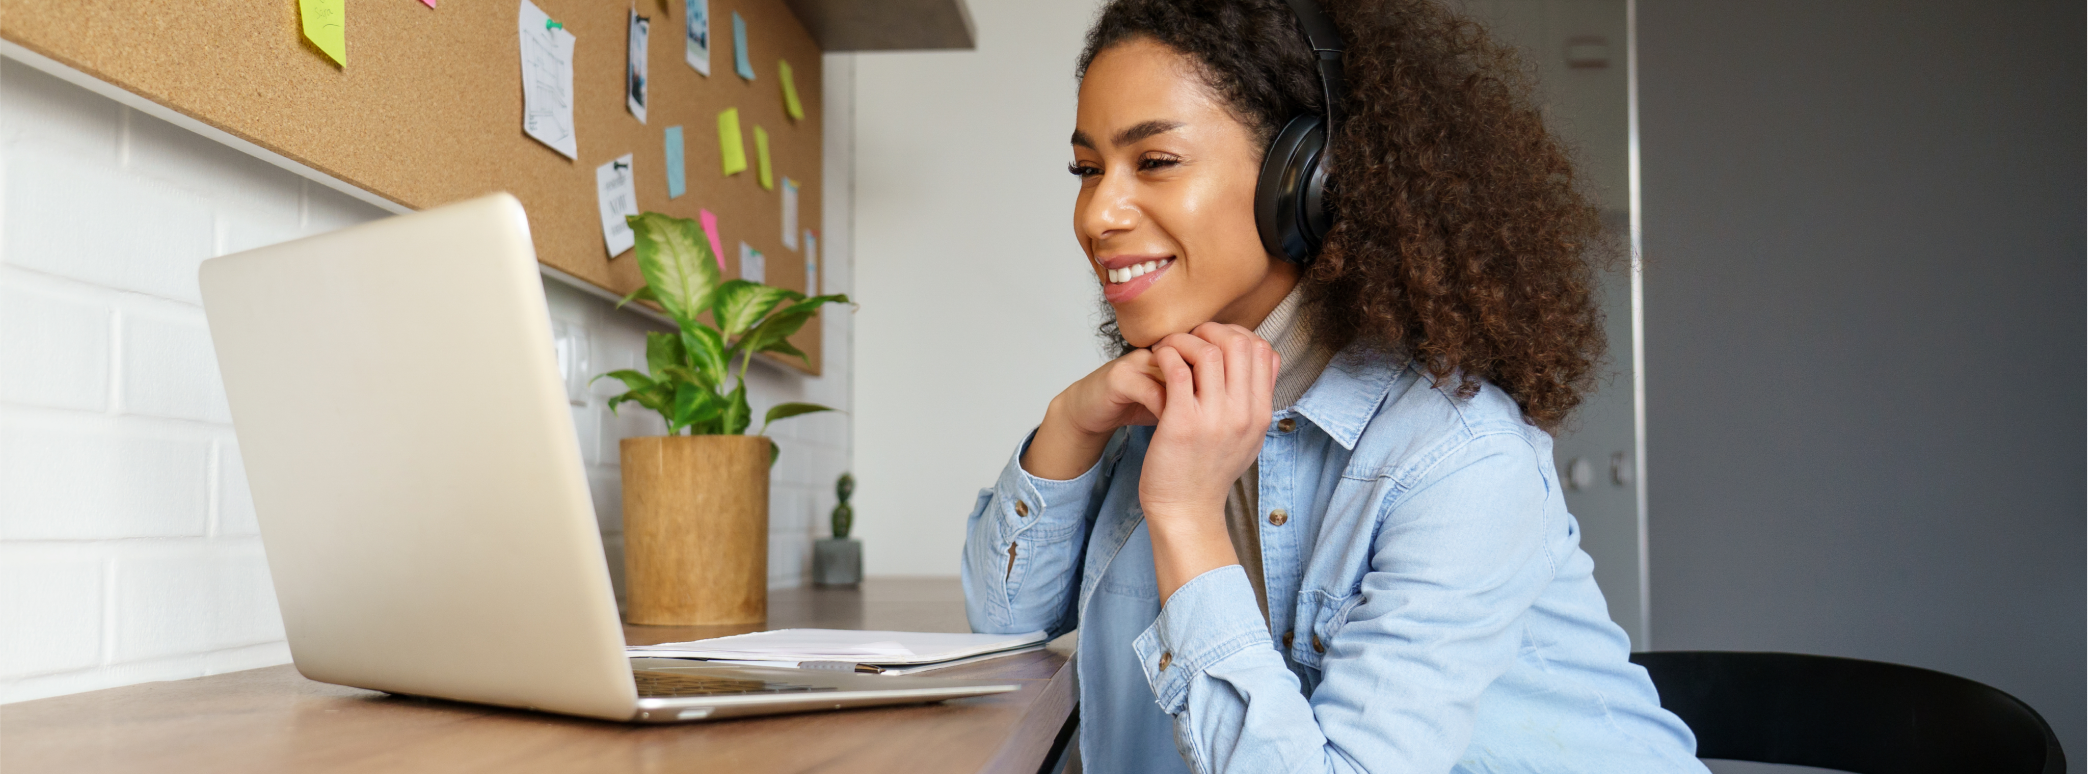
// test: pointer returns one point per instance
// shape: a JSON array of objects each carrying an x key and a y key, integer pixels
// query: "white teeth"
[{"x": 1125, "y": 274}]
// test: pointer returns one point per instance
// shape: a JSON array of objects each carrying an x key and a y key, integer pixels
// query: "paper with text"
[
  {"x": 790, "y": 213},
  {"x": 547, "y": 81},
  {"x": 710, "y": 230},
  {"x": 753, "y": 265},
  {"x": 677, "y": 169},
  {"x": 617, "y": 191},
  {"x": 696, "y": 50},
  {"x": 732, "y": 151},
  {"x": 635, "y": 78},
  {"x": 761, "y": 157},
  {"x": 811, "y": 263},
  {"x": 326, "y": 26},
  {"x": 791, "y": 105},
  {"x": 740, "y": 61}
]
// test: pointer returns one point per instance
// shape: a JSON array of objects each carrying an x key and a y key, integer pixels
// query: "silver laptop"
[{"x": 419, "y": 484}]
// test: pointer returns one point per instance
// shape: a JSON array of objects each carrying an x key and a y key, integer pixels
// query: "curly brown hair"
[{"x": 1462, "y": 238}]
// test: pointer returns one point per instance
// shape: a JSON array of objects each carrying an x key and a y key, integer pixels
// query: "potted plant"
[
  {"x": 696, "y": 500},
  {"x": 838, "y": 561}
]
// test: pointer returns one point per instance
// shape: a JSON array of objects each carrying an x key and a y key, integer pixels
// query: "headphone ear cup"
[{"x": 1289, "y": 212}]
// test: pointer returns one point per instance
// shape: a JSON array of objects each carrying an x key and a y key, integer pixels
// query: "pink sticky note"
[
  {"x": 431, "y": 3},
  {"x": 710, "y": 229}
]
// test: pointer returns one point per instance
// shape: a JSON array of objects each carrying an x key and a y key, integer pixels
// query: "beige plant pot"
[{"x": 696, "y": 529}]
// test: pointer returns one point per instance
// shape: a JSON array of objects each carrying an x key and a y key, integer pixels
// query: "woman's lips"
[{"x": 1130, "y": 287}]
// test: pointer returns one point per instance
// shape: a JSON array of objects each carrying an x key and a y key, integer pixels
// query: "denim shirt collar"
[{"x": 1349, "y": 393}]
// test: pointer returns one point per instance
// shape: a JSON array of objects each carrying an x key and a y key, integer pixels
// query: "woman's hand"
[
  {"x": 1216, "y": 410},
  {"x": 1125, "y": 391}
]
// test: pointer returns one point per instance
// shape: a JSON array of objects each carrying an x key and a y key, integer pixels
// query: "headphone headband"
[
  {"x": 1290, "y": 207},
  {"x": 1328, "y": 47}
]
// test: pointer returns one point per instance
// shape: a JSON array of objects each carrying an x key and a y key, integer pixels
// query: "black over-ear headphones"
[{"x": 1290, "y": 208}]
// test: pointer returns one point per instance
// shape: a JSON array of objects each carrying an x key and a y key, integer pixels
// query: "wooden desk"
[{"x": 274, "y": 720}]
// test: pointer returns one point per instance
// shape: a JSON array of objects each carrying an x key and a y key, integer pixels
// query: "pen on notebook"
[{"x": 846, "y": 667}]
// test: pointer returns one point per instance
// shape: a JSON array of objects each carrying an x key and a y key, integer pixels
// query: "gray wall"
[{"x": 1864, "y": 331}]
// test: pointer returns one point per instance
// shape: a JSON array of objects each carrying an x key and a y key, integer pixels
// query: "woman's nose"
[{"x": 1112, "y": 207}]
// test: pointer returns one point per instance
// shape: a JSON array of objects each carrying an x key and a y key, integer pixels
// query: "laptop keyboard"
[{"x": 652, "y": 683}]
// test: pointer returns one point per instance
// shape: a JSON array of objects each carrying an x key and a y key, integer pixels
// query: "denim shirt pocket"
[{"x": 1321, "y": 615}]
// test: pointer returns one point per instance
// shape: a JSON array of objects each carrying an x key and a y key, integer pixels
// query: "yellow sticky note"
[
  {"x": 731, "y": 149},
  {"x": 326, "y": 26},
  {"x": 790, "y": 99},
  {"x": 768, "y": 178}
]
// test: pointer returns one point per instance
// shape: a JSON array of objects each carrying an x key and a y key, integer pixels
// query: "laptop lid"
[{"x": 414, "y": 465}]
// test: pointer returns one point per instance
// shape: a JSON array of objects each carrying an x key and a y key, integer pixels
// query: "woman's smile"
[{"x": 1126, "y": 277}]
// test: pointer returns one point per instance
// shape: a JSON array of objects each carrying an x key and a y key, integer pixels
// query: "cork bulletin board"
[{"x": 428, "y": 109}]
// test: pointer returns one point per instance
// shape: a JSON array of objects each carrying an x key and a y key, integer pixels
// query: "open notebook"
[{"x": 892, "y": 653}]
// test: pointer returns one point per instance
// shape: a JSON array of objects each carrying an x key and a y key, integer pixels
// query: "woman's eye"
[
  {"x": 1080, "y": 170},
  {"x": 1157, "y": 162}
]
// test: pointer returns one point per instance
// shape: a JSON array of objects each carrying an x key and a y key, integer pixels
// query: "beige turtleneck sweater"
[{"x": 1301, "y": 365}]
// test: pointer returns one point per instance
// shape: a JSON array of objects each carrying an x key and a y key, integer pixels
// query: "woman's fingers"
[
  {"x": 1207, "y": 360},
  {"x": 1140, "y": 384},
  {"x": 1181, "y": 386}
]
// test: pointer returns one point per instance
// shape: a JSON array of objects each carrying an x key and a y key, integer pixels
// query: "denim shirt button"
[
  {"x": 1286, "y": 640},
  {"x": 1286, "y": 425},
  {"x": 1021, "y": 509},
  {"x": 1166, "y": 658},
  {"x": 1317, "y": 646},
  {"x": 1278, "y": 517}
]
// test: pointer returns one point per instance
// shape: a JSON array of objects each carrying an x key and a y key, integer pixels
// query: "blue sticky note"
[
  {"x": 740, "y": 61},
  {"x": 677, "y": 175}
]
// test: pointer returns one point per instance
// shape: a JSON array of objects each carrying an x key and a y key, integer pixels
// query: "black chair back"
[{"x": 1848, "y": 714}]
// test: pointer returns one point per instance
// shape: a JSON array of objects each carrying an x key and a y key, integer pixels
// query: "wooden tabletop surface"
[{"x": 272, "y": 719}]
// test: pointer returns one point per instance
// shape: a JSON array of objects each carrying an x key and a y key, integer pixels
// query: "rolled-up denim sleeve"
[
  {"x": 1458, "y": 557},
  {"x": 1022, "y": 550}
]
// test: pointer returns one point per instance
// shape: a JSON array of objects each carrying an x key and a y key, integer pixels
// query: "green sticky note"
[
  {"x": 731, "y": 149},
  {"x": 768, "y": 178},
  {"x": 790, "y": 99},
  {"x": 326, "y": 26}
]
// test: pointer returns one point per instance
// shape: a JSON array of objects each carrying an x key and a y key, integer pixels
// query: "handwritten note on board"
[
  {"x": 617, "y": 191},
  {"x": 791, "y": 105},
  {"x": 768, "y": 177},
  {"x": 710, "y": 230},
  {"x": 732, "y": 150},
  {"x": 790, "y": 213},
  {"x": 677, "y": 171},
  {"x": 547, "y": 81},
  {"x": 696, "y": 49},
  {"x": 326, "y": 26},
  {"x": 740, "y": 61}
]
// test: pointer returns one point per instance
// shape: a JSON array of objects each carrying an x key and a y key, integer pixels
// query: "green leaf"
[
  {"x": 644, "y": 293},
  {"x": 632, "y": 380},
  {"x": 706, "y": 354},
  {"x": 786, "y": 321},
  {"x": 676, "y": 259},
  {"x": 694, "y": 406},
  {"x": 741, "y": 304},
  {"x": 737, "y": 414},
  {"x": 775, "y": 451},
  {"x": 786, "y": 348},
  {"x": 790, "y": 409},
  {"x": 661, "y": 351}
]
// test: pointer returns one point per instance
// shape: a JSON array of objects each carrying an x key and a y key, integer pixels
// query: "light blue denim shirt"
[{"x": 1430, "y": 608}]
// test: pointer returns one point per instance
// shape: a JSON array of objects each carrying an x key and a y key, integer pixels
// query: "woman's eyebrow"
[{"x": 1130, "y": 134}]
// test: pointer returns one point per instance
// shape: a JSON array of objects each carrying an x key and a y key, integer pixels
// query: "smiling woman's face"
[{"x": 1166, "y": 207}]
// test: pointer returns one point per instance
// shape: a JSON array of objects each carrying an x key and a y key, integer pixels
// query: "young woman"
[{"x": 1308, "y": 521}]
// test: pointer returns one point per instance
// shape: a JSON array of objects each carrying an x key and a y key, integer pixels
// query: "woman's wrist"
[
  {"x": 1062, "y": 450},
  {"x": 1189, "y": 540}
]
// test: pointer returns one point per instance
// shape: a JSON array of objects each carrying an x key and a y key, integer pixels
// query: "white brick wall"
[{"x": 128, "y": 544}]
